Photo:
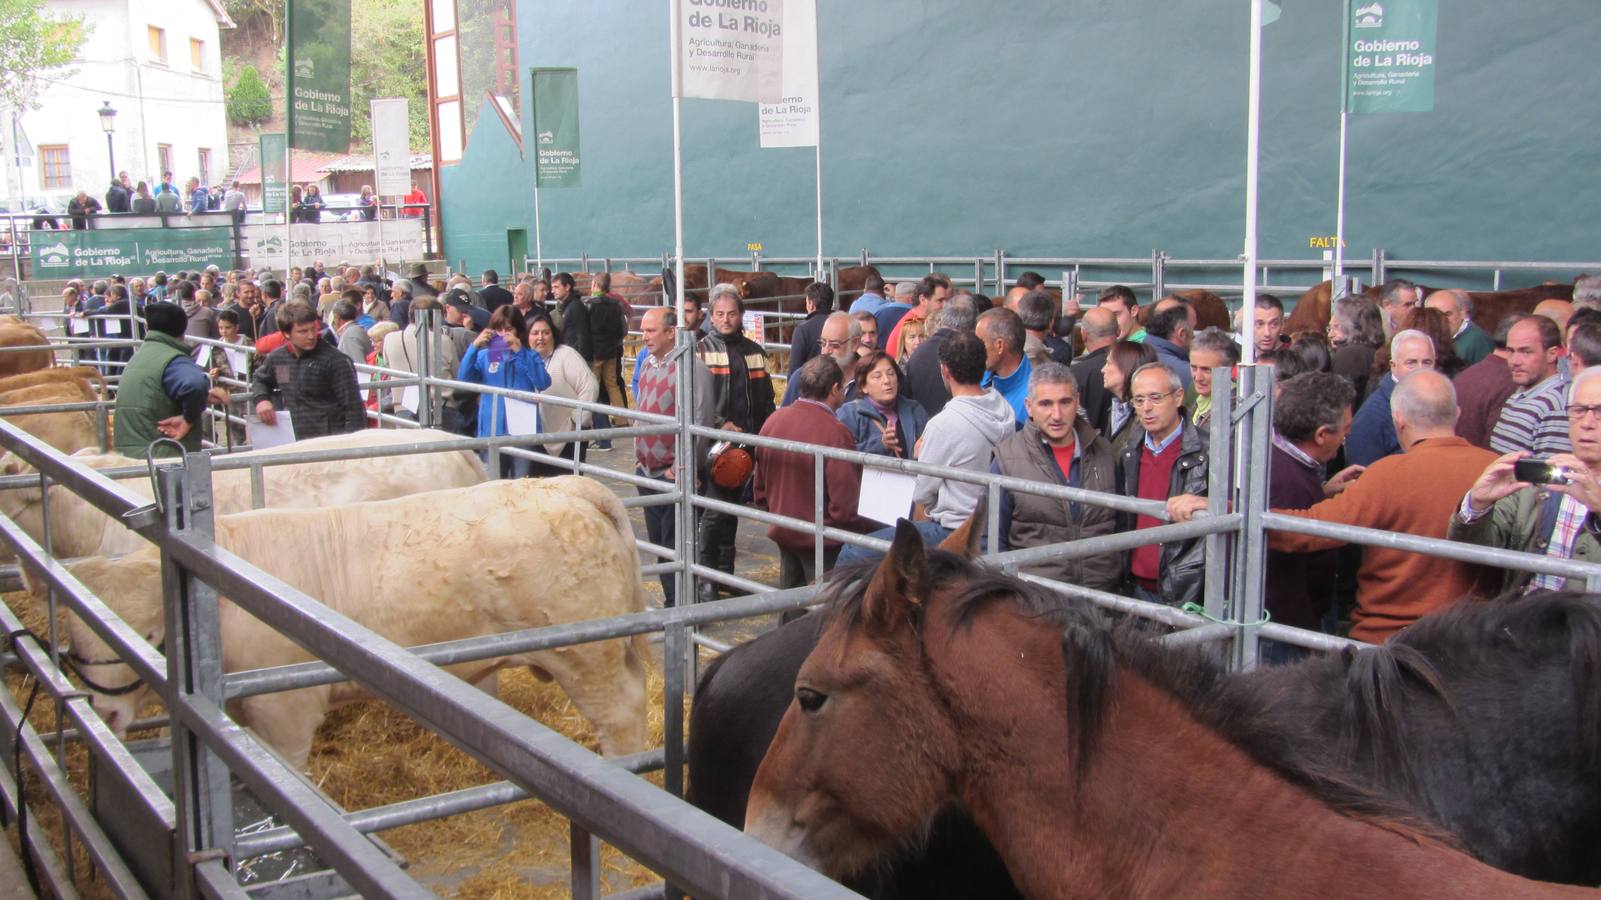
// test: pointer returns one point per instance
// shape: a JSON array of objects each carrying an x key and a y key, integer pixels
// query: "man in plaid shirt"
[
  {"x": 1557, "y": 520},
  {"x": 308, "y": 377}
]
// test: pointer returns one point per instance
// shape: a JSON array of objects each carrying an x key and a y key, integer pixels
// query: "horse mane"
[{"x": 1093, "y": 650}]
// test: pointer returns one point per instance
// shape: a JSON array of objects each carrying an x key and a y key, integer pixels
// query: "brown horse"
[{"x": 1086, "y": 756}]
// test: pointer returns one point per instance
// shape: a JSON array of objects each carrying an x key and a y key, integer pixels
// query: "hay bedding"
[{"x": 368, "y": 754}]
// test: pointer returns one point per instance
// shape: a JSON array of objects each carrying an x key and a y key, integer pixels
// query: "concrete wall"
[
  {"x": 155, "y": 103},
  {"x": 1073, "y": 127}
]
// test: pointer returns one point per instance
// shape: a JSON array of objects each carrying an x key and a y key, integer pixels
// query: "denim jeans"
[
  {"x": 661, "y": 529},
  {"x": 931, "y": 532}
]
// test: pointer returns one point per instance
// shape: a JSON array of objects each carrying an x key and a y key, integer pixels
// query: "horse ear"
[
  {"x": 897, "y": 586},
  {"x": 964, "y": 541}
]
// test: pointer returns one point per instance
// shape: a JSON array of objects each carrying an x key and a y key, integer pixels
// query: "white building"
[{"x": 159, "y": 64}]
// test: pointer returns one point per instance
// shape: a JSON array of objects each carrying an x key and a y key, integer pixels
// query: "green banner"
[
  {"x": 274, "y": 161},
  {"x": 556, "y": 162},
  {"x": 129, "y": 251},
  {"x": 319, "y": 75},
  {"x": 1390, "y": 55}
]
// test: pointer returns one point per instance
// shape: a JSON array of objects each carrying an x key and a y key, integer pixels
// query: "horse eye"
[{"x": 810, "y": 700}]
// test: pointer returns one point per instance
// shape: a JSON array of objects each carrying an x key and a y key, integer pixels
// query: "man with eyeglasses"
[
  {"x": 1373, "y": 435},
  {"x": 1559, "y": 519},
  {"x": 836, "y": 342},
  {"x": 1165, "y": 457}
]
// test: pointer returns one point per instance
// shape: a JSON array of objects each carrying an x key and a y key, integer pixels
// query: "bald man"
[
  {"x": 1099, "y": 328},
  {"x": 1413, "y": 492},
  {"x": 1470, "y": 342},
  {"x": 1373, "y": 434},
  {"x": 1556, "y": 310}
]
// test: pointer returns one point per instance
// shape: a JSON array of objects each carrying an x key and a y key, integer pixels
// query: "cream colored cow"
[{"x": 439, "y": 566}]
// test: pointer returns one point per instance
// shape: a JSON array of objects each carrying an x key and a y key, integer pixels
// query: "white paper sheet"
[
  {"x": 410, "y": 398},
  {"x": 238, "y": 361},
  {"x": 203, "y": 356},
  {"x": 521, "y": 417},
  {"x": 112, "y": 326},
  {"x": 886, "y": 496},
  {"x": 78, "y": 326},
  {"x": 262, "y": 436}
]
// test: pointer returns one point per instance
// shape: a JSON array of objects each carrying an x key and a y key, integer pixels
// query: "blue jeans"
[
  {"x": 931, "y": 532},
  {"x": 661, "y": 529}
]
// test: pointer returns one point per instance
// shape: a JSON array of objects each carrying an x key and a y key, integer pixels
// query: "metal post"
[
  {"x": 1158, "y": 275},
  {"x": 1000, "y": 273},
  {"x": 201, "y": 793},
  {"x": 585, "y": 849},
  {"x": 978, "y": 276},
  {"x": 817, "y": 516},
  {"x": 1378, "y": 265},
  {"x": 687, "y": 456},
  {"x": 675, "y": 649},
  {"x": 1219, "y": 482},
  {"x": 428, "y": 334},
  {"x": 1257, "y": 436}
]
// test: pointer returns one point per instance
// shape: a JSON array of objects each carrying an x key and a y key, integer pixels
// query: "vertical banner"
[
  {"x": 730, "y": 54},
  {"x": 556, "y": 156},
  {"x": 319, "y": 75},
  {"x": 391, "y": 147},
  {"x": 1390, "y": 56},
  {"x": 792, "y": 121},
  {"x": 275, "y": 173}
]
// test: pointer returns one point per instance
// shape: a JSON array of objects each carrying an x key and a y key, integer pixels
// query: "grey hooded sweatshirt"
[{"x": 963, "y": 436}]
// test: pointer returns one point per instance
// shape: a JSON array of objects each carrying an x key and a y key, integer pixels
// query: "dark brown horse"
[{"x": 1096, "y": 762}]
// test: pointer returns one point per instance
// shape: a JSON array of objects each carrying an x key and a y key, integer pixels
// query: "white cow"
[
  {"x": 439, "y": 566},
  {"x": 78, "y": 528}
]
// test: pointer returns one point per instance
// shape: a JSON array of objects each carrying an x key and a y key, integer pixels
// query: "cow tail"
[{"x": 101, "y": 392}]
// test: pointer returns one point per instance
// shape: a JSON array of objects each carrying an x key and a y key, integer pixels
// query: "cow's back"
[{"x": 17, "y": 335}]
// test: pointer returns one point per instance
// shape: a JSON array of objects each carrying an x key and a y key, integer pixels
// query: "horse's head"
[
  {"x": 131, "y": 586},
  {"x": 866, "y": 753}
]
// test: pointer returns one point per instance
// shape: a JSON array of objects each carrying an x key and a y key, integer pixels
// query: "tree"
[
  {"x": 273, "y": 11},
  {"x": 248, "y": 100},
  {"x": 387, "y": 60},
  {"x": 33, "y": 45}
]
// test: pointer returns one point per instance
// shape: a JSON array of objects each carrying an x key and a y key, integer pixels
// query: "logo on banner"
[
  {"x": 55, "y": 256},
  {"x": 1370, "y": 16},
  {"x": 547, "y": 137},
  {"x": 305, "y": 68},
  {"x": 273, "y": 244}
]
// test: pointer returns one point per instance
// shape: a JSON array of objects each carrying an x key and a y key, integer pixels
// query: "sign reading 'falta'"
[
  {"x": 1390, "y": 56},
  {"x": 319, "y": 75},
  {"x": 730, "y": 50}
]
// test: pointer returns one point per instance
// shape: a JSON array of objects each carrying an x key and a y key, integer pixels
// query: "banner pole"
[
  {"x": 678, "y": 166},
  {"x": 1253, "y": 127},
  {"x": 289, "y": 230},
  {"x": 539, "y": 244},
  {"x": 1339, "y": 196},
  {"x": 817, "y": 98}
]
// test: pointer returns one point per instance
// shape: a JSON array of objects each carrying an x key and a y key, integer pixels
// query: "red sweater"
[
  {"x": 1415, "y": 492},
  {"x": 1156, "y": 474},
  {"x": 783, "y": 479}
]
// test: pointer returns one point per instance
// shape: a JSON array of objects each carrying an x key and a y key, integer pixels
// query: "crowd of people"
[
  {"x": 1407, "y": 414},
  {"x": 149, "y": 197}
]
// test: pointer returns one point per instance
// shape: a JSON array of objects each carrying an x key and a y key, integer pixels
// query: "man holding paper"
[
  {"x": 308, "y": 378},
  {"x": 162, "y": 392}
]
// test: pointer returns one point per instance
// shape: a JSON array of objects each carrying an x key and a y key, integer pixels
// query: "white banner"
[
  {"x": 332, "y": 242},
  {"x": 391, "y": 147},
  {"x": 792, "y": 122},
  {"x": 731, "y": 49}
]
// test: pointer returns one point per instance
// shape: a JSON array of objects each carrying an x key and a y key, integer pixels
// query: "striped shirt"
[{"x": 1535, "y": 420}]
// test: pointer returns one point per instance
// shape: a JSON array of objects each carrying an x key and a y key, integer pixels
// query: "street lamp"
[{"x": 108, "y": 121}]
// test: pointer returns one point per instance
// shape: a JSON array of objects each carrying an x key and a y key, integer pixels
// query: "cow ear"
[
  {"x": 964, "y": 541},
  {"x": 897, "y": 589}
]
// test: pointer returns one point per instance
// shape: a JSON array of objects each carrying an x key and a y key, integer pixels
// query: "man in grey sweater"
[{"x": 963, "y": 435}]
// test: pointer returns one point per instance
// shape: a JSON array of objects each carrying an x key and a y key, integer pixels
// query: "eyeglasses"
[
  {"x": 1150, "y": 399},
  {"x": 1578, "y": 413},
  {"x": 827, "y": 344}
]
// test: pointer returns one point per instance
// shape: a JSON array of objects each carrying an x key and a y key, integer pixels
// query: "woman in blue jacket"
[
  {"x": 882, "y": 420},
  {"x": 500, "y": 357}
]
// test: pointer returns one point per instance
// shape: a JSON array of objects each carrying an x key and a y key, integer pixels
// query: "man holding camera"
[{"x": 1543, "y": 507}]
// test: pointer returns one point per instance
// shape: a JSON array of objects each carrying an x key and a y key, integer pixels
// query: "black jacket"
[
  {"x": 318, "y": 389},
  {"x": 608, "y": 326},
  {"x": 803, "y": 343},
  {"x": 494, "y": 296},
  {"x": 923, "y": 381},
  {"x": 1183, "y": 565},
  {"x": 1095, "y": 400},
  {"x": 117, "y": 198},
  {"x": 575, "y": 331}
]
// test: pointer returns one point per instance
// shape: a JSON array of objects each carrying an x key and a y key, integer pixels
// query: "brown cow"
[
  {"x": 1489, "y": 307},
  {"x": 22, "y": 335},
  {"x": 87, "y": 374},
  {"x": 851, "y": 280},
  {"x": 68, "y": 432},
  {"x": 767, "y": 285}
]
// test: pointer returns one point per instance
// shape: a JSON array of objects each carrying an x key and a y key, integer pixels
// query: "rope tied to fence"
[{"x": 1196, "y": 609}]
